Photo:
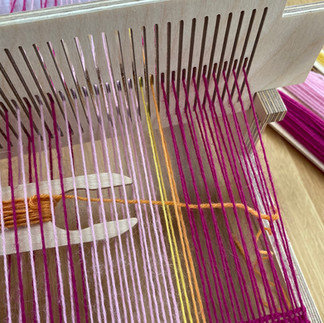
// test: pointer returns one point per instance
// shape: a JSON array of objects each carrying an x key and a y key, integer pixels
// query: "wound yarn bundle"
[
  {"x": 305, "y": 113},
  {"x": 310, "y": 93}
]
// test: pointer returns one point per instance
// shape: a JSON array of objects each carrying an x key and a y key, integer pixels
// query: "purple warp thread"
[
  {"x": 247, "y": 178},
  {"x": 265, "y": 195},
  {"x": 220, "y": 158},
  {"x": 202, "y": 265},
  {"x": 280, "y": 224},
  {"x": 304, "y": 125},
  {"x": 47, "y": 281},
  {"x": 11, "y": 184},
  {"x": 266, "y": 198},
  {"x": 30, "y": 167},
  {"x": 84, "y": 292},
  {"x": 234, "y": 152},
  {"x": 60, "y": 168},
  {"x": 50, "y": 154},
  {"x": 239, "y": 159}
]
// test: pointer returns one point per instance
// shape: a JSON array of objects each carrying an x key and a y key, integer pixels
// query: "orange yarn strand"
[{"x": 47, "y": 216}]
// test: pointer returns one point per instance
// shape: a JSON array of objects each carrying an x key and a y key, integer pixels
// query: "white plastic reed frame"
[{"x": 57, "y": 49}]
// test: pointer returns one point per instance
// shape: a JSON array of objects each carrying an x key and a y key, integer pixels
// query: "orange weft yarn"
[
  {"x": 32, "y": 210},
  {"x": 47, "y": 216}
]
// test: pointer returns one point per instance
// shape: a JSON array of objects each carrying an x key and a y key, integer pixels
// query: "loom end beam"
[{"x": 269, "y": 107}]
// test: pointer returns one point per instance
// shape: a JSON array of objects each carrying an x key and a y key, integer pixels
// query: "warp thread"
[{"x": 44, "y": 199}]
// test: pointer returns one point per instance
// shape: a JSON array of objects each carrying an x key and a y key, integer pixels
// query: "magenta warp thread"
[
  {"x": 202, "y": 264},
  {"x": 85, "y": 300},
  {"x": 239, "y": 159},
  {"x": 280, "y": 226},
  {"x": 11, "y": 184},
  {"x": 229, "y": 134},
  {"x": 60, "y": 168},
  {"x": 226, "y": 292},
  {"x": 221, "y": 160},
  {"x": 47, "y": 280}
]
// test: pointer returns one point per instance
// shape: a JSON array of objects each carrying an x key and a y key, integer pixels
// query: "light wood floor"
[
  {"x": 297, "y": 2},
  {"x": 300, "y": 188}
]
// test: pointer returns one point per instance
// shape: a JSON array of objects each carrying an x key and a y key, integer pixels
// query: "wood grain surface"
[
  {"x": 297, "y": 2},
  {"x": 300, "y": 189}
]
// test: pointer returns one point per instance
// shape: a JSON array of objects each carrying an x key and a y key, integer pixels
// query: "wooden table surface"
[{"x": 300, "y": 189}]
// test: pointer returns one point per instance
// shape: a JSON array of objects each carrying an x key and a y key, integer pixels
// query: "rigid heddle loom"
[{"x": 135, "y": 185}]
